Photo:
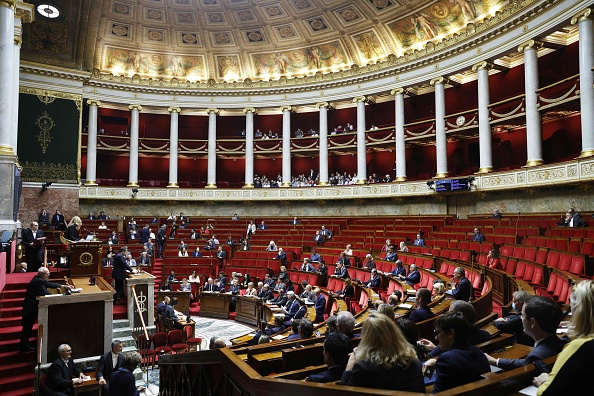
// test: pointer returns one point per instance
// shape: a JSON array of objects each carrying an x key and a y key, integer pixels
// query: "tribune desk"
[
  {"x": 83, "y": 320},
  {"x": 144, "y": 285},
  {"x": 215, "y": 305}
]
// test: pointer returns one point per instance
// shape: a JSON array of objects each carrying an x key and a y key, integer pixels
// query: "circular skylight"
[{"x": 48, "y": 10}]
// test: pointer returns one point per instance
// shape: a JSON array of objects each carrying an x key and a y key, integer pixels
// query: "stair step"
[
  {"x": 121, "y": 323},
  {"x": 19, "y": 392},
  {"x": 13, "y": 302},
  {"x": 10, "y": 342},
  {"x": 10, "y": 321},
  {"x": 17, "y": 382},
  {"x": 17, "y": 357},
  {"x": 15, "y": 368},
  {"x": 10, "y": 311}
]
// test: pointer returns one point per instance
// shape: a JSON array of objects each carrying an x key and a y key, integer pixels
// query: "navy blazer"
[
  {"x": 413, "y": 278},
  {"x": 392, "y": 256},
  {"x": 342, "y": 273},
  {"x": 59, "y": 376},
  {"x": 120, "y": 267},
  {"x": 170, "y": 313},
  {"x": 123, "y": 383},
  {"x": 399, "y": 271},
  {"x": 548, "y": 347},
  {"x": 333, "y": 374},
  {"x": 374, "y": 282},
  {"x": 282, "y": 257},
  {"x": 463, "y": 290},
  {"x": 105, "y": 368},
  {"x": 307, "y": 267},
  {"x": 421, "y": 314},
  {"x": 458, "y": 366},
  {"x": 320, "y": 306}
]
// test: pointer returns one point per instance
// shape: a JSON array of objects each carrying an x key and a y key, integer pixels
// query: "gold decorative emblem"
[
  {"x": 460, "y": 121},
  {"x": 86, "y": 259},
  {"x": 45, "y": 124}
]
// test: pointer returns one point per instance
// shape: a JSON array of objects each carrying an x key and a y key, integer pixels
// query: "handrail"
[{"x": 557, "y": 83}]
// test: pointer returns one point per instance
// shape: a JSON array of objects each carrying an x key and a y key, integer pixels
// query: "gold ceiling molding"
[
  {"x": 51, "y": 94},
  {"x": 471, "y": 37}
]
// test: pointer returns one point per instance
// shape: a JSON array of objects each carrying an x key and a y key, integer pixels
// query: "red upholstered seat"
[
  {"x": 160, "y": 343},
  {"x": 144, "y": 348},
  {"x": 174, "y": 340}
]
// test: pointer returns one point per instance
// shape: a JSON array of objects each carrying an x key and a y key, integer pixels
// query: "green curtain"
[{"x": 48, "y": 140}]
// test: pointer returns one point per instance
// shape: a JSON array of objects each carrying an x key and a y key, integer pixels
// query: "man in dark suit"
[
  {"x": 58, "y": 221},
  {"x": 102, "y": 216},
  {"x": 541, "y": 317},
  {"x": 281, "y": 256},
  {"x": 461, "y": 287},
  {"x": 145, "y": 234},
  {"x": 414, "y": 276},
  {"x": 341, "y": 271},
  {"x": 422, "y": 312},
  {"x": 262, "y": 226},
  {"x": 108, "y": 363},
  {"x": 162, "y": 306},
  {"x": 319, "y": 304},
  {"x": 33, "y": 247},
  {"x": 281, "y": 299},
  {"x": 295, "y": 221},
  {"x": 221, "y": 255},
  {"x": 120, "y": 272},
  {"x": 337, "y": 347},
  {"x": 399, "y": 269},
  {"x": 123, "y": 382},
  {"x": 265, "y": 293},
  {"x": 62, "y": 374},
  {"x": 170, "y": 311},
  {"x": 37, "y": 287},
  {"x": 306, "y": 266},
  {"x": 496, "y": 213},
  {"x": 161, "y": 238},
  {"x": 374, "y": 280},
  {"x": 144, "y": 259}
]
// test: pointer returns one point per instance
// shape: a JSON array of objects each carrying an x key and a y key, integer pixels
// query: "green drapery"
[{"x": 49, "y": 136}]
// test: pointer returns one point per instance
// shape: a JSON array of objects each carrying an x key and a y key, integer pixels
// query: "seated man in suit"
[
  {"x": 512, "y": 323},
  {"x": 461, "y": 287},
  {"x": 422, "y": 312},
  {"x": 170, "y": 312},
  {"x": 341, "y": 271},
  {"x": 391, "y": 254},
  {"x": 419, "y": 241},
  {"x": 541, "y": 317},
  {"x": 315, "y": 256},
  {"x": 374, "y": 280},
  {"x": 319, "y": 238},
  {"x": 414, "y": 276},
  {"x": 399, "y": 269},
  {"x": 62, "y": 374},
  {"x": 306, "y": 266},
  {"x": 162, "y": 306},
  {"x": 478, "y": 236},
  {"x": 496, "y": 213},
  {"x": 337, "y": 348},
  {"x": 109, "y": 363},
  {"x": 281, "y": 299},
  {"x": 281, "y": 256},
  {"x": 265, "y": 293}
]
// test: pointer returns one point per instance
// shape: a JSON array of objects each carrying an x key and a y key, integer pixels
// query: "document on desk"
[
  {"x": 405, "y": 306},
  {"x": 529, "y": 390}
]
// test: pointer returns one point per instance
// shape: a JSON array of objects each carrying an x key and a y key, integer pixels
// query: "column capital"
[
  {"x": 530, "y": 44},
  {"x": 215, "y": 111},
  {"x": 8, "y": 3},
  {"x": 174, "y": 109},
  {"x": 358, "y": 99},
  {"x": 135, "y": 107},
  {"x": 18, "y": 41},
  {"x": 324, "y": 104},
  {"x": 93, "y": 102},
  {"x": 482, "y": 65},
  {"x": 286, "y": 108},
  {"x": 439, "y": 80},
  {"x": 397, "y": 91},
  {"x": 249, "y": 110},
  {"x": 24, "y": 11},
  {"x": 583, "y": 15}
]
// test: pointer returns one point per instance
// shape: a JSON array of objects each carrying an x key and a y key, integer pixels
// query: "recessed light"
[{"x": 48, "y": 11}]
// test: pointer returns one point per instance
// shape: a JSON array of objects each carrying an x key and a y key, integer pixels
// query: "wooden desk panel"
[
  {"x": 215, "y": 305},
  {"x": 183, "y": 299},
  {"x": 248, "y": 310}
]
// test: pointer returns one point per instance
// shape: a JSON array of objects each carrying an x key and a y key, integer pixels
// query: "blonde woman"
[
  {"x": 571, "y": 373},
  {"x": 384, "y": 359},
  {"x": 438, "y": 290},
  {"x": 403, "y": 247},
  {"x": 73, "y": 228}
]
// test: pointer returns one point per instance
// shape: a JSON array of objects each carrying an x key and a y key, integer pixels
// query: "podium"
[
  {"x": 144, "y": 285},
  {"x": 83, "y": 320},
  {"x": 251, "y": 310},
  {"x": 215, "y": 305},
  {"x": 85, "y": 258}
]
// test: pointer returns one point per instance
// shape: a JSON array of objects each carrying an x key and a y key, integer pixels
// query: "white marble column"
[
  {"x": 585, "y": 23},
  {"x": 211, "y": 180},
  {"x": 286, "y": 146},
  {"x": 92, "y": 143},
  {"x": 533, "y": 120},
  {"x": 361, "y": 146},
  {"x": 7, "y": 65},
  {"x": 485, "y": 140},
  {"x": 441, "y": 143},
  {"x": 173, "y": 145},
  {"x": 133, "y": 173},
  {"x": 399, "y": 130},
  {"x": 323, "y": 106},
  {"x": 249, "y": 147}
]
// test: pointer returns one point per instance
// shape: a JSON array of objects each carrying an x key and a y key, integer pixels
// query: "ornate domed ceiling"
[{"x": 231, "y": 40}]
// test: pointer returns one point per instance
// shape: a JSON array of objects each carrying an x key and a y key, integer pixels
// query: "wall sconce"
[
  {"x": 431, "y": 184},
  {"x": 471, "y": 181},
  {"x": 134, "y": 192},
  {"x": 44, "y": 186}
]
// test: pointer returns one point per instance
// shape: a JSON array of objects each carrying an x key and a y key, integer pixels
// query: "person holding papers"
[{"x": 73, "y": 228}]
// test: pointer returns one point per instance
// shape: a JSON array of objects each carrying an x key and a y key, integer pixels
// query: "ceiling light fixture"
[{"x": 48, "y": 11}]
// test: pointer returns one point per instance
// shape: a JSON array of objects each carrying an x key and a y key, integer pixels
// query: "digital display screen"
[{"x": 452, "y": 185}]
